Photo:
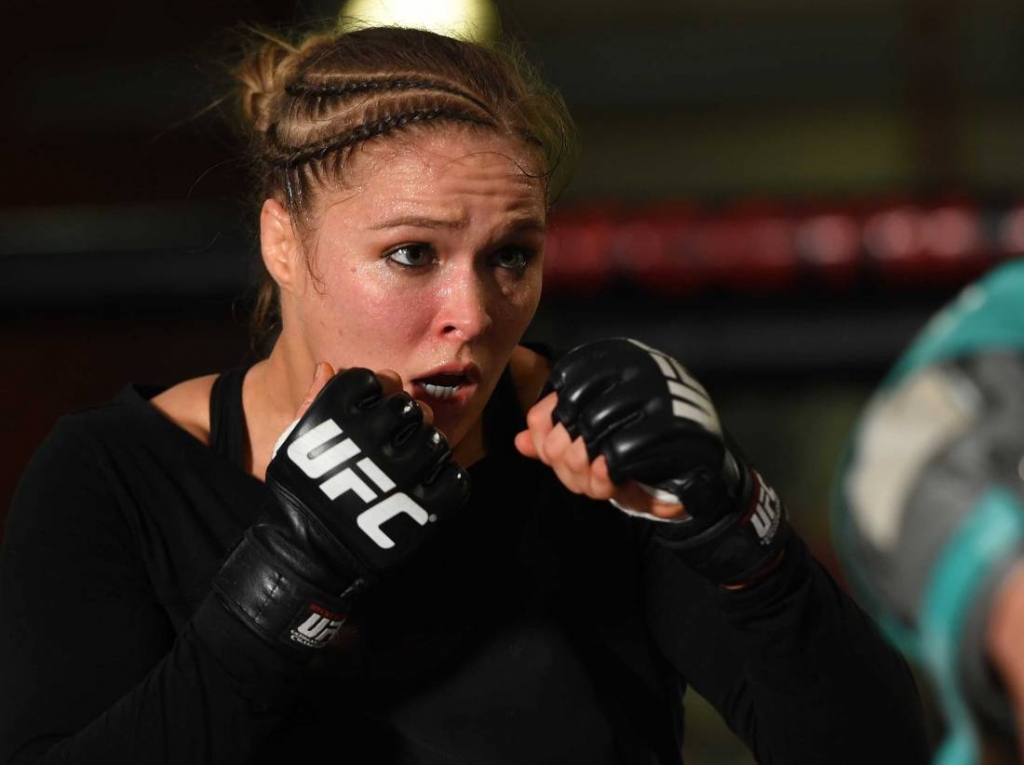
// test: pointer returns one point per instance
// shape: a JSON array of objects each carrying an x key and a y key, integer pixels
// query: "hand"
[
  {"x": 1004, "y": 640},
  {"x": 360, "y": 457},
  {"x": 549, "y": 442},
  {"x": 359, "y": 483},
  {"x": 629, "y": 421}
]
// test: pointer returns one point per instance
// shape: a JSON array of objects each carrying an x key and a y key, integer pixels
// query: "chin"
[{"x": 454, "y": 431}]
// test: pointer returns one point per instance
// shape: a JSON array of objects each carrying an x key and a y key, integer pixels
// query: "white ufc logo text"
[
  {"x": 353, "y": 478},
  {"x": 317, "y": 630},
  {"x": 767, "y": 513}
]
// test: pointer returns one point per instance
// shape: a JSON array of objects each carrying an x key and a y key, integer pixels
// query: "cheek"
[
  {"x": 519, "y": 302},
  {"x": 365, "y": 291},
  {"x": 369, "y": 316}
]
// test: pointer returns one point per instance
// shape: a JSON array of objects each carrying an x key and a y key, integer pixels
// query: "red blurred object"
[
  {"x": 893, "y": 241},
  {"x": 677, "y": 248},
  {"x": 1010, "y": 234},
  {"x": 654, "y": 249},
  {"x": 828, "y": 244},
  {"x": 578, "y": 252},
  {"x": 940, "y": 244},
  {"x": 749, "y": 248}
]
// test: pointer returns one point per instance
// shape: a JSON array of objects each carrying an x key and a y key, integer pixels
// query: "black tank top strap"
[{"x": 228, "y": 435}]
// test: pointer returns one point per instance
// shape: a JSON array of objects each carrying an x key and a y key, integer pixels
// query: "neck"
[
  {"x": 271, "y": 395},
  {"x": 472, "y": 447}
]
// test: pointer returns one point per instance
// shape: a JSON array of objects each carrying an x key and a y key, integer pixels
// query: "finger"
[
  {"x": 569, "y": 459},
  {"x": 524, "y": 444},
  {"x": 576, "y": 394},
  {"x": 571, "y": 479},
  {"x": 428, "y": 413},
  {"x": 539, "y": 415},
  {"x": 539, "y": 424},
  {"x": 669, "y": 510},
  {"x": 576, "y": 462},
  {"x": 390, "y": 381},
  {"x": 634, "y": 497},
  {"x": 601, "y": 486},
  {"x": 573, "y": 453},
  {"x": 558, "y": 447}
]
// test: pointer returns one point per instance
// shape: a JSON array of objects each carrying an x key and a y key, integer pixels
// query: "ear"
[{"x": 282, "y": 254}]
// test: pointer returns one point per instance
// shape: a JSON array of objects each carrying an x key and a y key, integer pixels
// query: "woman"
[{"x": 413, "y": 570}]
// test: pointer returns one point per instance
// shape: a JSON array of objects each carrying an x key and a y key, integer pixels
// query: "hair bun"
[{"x": 264, "y": 74}]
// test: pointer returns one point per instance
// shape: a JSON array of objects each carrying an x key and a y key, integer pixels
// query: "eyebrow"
[
  {"x": 417, "y": 221},
  {"x": 420, "y": 222}
]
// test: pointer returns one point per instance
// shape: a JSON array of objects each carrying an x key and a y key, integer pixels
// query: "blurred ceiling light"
[{"x": 470, "y": 19}]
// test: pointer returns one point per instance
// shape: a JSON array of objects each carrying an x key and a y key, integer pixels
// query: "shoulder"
[
  {"x": 187, "y": 405},
  {"x": 86, "y": 441},
  {"x": 115, "y": 458},
  {"x": 530, "y": 371},
  {"x": 73, "y": 474}
]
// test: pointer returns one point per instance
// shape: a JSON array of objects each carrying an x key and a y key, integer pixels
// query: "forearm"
[
  {"x": 213, "y": 698},
  {"x": 824, "y": 684}
]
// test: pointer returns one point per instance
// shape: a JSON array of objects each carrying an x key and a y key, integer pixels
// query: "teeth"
[{"x": 440, "y": 391}]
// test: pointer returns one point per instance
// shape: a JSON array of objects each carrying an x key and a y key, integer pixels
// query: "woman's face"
[{"x": 428, "y": 263}]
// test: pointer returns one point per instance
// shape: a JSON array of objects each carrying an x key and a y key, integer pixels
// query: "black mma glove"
[
  {"x": 655, "y": 424},
  {"x": 359, "y": 484}
]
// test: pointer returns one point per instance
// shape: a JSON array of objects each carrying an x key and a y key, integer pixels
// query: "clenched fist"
[{"x": 630, "y": 424}]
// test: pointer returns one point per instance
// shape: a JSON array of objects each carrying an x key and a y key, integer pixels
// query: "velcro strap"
[
  {"x": 281, "y": 606},
  {"x": 737, "y": 547}
]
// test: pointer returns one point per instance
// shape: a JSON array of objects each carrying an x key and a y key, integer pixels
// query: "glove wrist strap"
[{"x": 276, "y": 602}]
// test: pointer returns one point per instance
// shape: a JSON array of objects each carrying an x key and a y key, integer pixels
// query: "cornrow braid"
[
  {"x": 364, "y": 132},
  {"x": 379, "y": 85},
  {"x": 293, "y": 164}
]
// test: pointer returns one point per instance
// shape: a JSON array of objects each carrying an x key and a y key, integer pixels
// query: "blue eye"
[
  {"x": 412, "y": 255},
  {"x": 513, "y": 258}
]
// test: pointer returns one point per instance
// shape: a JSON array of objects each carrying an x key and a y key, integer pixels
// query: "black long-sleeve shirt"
[{"x": 543, "y": 628}]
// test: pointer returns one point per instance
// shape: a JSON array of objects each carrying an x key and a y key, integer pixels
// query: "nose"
[{"x": 465, "y": 306}]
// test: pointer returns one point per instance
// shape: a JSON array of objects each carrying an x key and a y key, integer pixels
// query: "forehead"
[{"x": 443, "y": 166}]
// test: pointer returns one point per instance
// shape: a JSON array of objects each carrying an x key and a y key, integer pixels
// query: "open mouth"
[{"x": 442, "y": 386}]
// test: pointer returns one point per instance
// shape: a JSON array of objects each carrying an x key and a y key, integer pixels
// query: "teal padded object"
[
  {"x": 986, "y": 536},
  {"x": 988, "y": 314},
  {"x": 843, "y": 533}
]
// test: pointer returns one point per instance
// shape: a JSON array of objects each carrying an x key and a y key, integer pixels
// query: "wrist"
[
  {"x": 278, "y": 600},
  {"x": 739, "y": 546},
  {"x": 758, "y": 576}
]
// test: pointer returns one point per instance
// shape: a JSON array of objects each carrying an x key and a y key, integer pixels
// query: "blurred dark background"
[{"x": 779, "y": 194}]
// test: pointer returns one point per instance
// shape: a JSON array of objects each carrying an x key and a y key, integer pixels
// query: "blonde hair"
[{"x": 308, "y": 104}]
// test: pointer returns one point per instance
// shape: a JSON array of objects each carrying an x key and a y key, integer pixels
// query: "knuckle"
[
  {"x": 537, "y": 418},
  {"x": 569, "y": 479},
  {"x": 576, "y": 457}
]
